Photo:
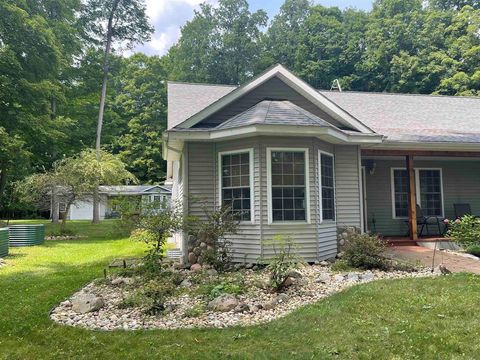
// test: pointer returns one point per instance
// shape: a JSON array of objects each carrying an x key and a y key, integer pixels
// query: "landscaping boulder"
[
  {"x": 323, "y": 278},
  {"x": 84, "y": 303},
  {"x": 223, "y": 303},
  {"x": 212, "y": 272},
  {"x": 186, "y": 283},
  {"x": 289, "y": 281},
  {"x": 352, "y": 277},
  {"x": 281, "y": 298},
  {"x": 339, "y": 278},
  {"x": 192, "y": 258},
  {"x": 367, "y": 276},
  {"x": 294, "y": 274},
  {"x": 196, "y": 267},
  {"x": 324, "y": 263},
  {"x": 122, "y": 281},
  {"x": 242, "y": 307}
]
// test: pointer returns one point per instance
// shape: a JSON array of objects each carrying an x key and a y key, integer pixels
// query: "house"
[
  {"x": 293, "y": 160},
  {"x": 83, "y": 209}
]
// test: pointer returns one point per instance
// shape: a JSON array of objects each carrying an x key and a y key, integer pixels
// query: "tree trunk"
[
  {"x": 108, "y": 45},
  {"x": 55, "y": 206}
]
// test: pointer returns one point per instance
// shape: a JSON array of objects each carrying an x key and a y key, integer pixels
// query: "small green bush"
[
  {"x": 474, "y": 250},
  {"x": 195, "y": 311},
  {"x": 365, "y": 251},
  {"x": 214, "y": 289},
  {"x": 341, "y": 265},
  {"x": 465, "y": 231},
  {"x": 284, "y": 260}
]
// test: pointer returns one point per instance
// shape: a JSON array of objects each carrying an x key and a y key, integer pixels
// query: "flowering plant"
[{"x": 465, "y": 231}]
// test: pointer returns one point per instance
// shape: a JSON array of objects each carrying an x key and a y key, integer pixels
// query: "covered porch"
[{"x": 408, "y": 194}]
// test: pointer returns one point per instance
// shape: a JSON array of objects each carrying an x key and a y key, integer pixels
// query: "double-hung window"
[
  {"x": 327, "y": 186},
  {"x": 288, "y": 182},
  {"x": 428, "y": 183},
  {"x": 236, "y": 182}
]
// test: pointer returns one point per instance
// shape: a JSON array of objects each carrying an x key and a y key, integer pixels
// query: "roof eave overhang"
[
  {"x": 174, "y": 140},
  {"x": 295, "y": 83},
  {"x": 433, "y": 146}
]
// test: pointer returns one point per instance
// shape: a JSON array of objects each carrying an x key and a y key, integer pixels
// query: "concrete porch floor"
[{"x": 424, "y": 256}]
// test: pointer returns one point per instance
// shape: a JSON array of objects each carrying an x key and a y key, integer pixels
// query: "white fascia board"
[
  {"x": 438, "y": 146},
  {"x": 327, "y": 133},
  {"x": 295, "y": 83}
]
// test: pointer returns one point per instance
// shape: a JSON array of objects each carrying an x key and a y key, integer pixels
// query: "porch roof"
[{"x": 414, "y": 118}]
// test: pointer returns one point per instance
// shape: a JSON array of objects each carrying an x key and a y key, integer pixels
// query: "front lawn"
[{"x": 427, "y": 318}]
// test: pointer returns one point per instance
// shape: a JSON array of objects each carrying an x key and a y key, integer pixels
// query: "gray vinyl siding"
[
  {"x": 461, "y": 184},
  {"x": 348, "y": 186},
  {"x": 274, "y": 89},
  {"x": 201, "y": 172},
  {"x": 316, "y": 240}
]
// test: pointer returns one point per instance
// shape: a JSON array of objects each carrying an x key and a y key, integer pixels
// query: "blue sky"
[{"x": 167, "y": 16}]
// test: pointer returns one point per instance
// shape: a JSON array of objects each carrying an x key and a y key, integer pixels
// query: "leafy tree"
[
  {"x": 108, "y": 22},
  {"x": 284, "y": 35},
  {"x": 142, "y": 102},
  {"x": 73, "y": 178},
  {"x": 332, "y": 44},
  {"x": 37, "y": 42},
  {"x": 219, "y": 45}
]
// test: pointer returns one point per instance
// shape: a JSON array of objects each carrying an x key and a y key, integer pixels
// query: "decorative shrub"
[
  {"x": 153, "y": 224},
  {"x": 210, "y": 244},
  {"x": 341, "y": 265},
  {"x": 284, "y": 260},
  {"x": 195, "y": 311},
  {"x": 365, "y": 251},
  {"x": 474, "y": 250},
  {"x": 465, "y": 231}
]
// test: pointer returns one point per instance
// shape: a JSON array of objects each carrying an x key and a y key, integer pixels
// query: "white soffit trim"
[
  {"x": 438, "y": 146},
  {"x": 295, "y": 83},
  {"x": 328, "y": 133}
]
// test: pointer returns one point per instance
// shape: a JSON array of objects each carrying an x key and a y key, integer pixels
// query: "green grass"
[{"x": 402, "y": 319}]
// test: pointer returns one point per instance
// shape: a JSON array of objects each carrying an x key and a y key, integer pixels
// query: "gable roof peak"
[{"x": 290, "y": 80}]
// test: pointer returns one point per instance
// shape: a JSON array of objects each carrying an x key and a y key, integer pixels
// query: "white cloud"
[{"x": 167, "y": 16}]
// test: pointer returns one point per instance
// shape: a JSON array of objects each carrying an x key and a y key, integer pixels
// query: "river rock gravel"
[{"x": 257, "y": 305}]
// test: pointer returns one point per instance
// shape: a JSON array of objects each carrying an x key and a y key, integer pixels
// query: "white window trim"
[
  {"x": 417, "y": 188},
  {"x": 269, "y": 186},
  {"x": 251, "y": 180},
  {"x": 320, "y": 152}
]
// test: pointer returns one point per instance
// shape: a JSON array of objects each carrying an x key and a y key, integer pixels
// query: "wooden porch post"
[{"x": 412, "y": 199}]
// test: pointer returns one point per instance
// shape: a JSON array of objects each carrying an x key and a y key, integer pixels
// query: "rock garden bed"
[{"x": 204, "y": 298}]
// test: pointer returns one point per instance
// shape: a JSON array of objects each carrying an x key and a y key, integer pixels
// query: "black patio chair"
[
  {"x": 461, "y": 210},
  {"x": 423, "y": 222}
]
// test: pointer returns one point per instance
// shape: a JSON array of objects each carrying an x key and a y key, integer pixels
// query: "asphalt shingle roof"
[
  {"x": 414, "y": 118},
  {"x": 274, "y": 112},
  {"x": 400, "y": 117},
  {"x": 185, "y": 100}
]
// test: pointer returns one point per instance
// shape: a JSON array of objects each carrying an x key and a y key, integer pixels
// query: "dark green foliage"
[
  {"x": 473, "y": 249},
  {"x": 365, "y": 251},
  {"x": 465, "y": 231}
]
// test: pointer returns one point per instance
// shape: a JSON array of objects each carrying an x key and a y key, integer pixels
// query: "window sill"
[{"x": 290, "y": 223}]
